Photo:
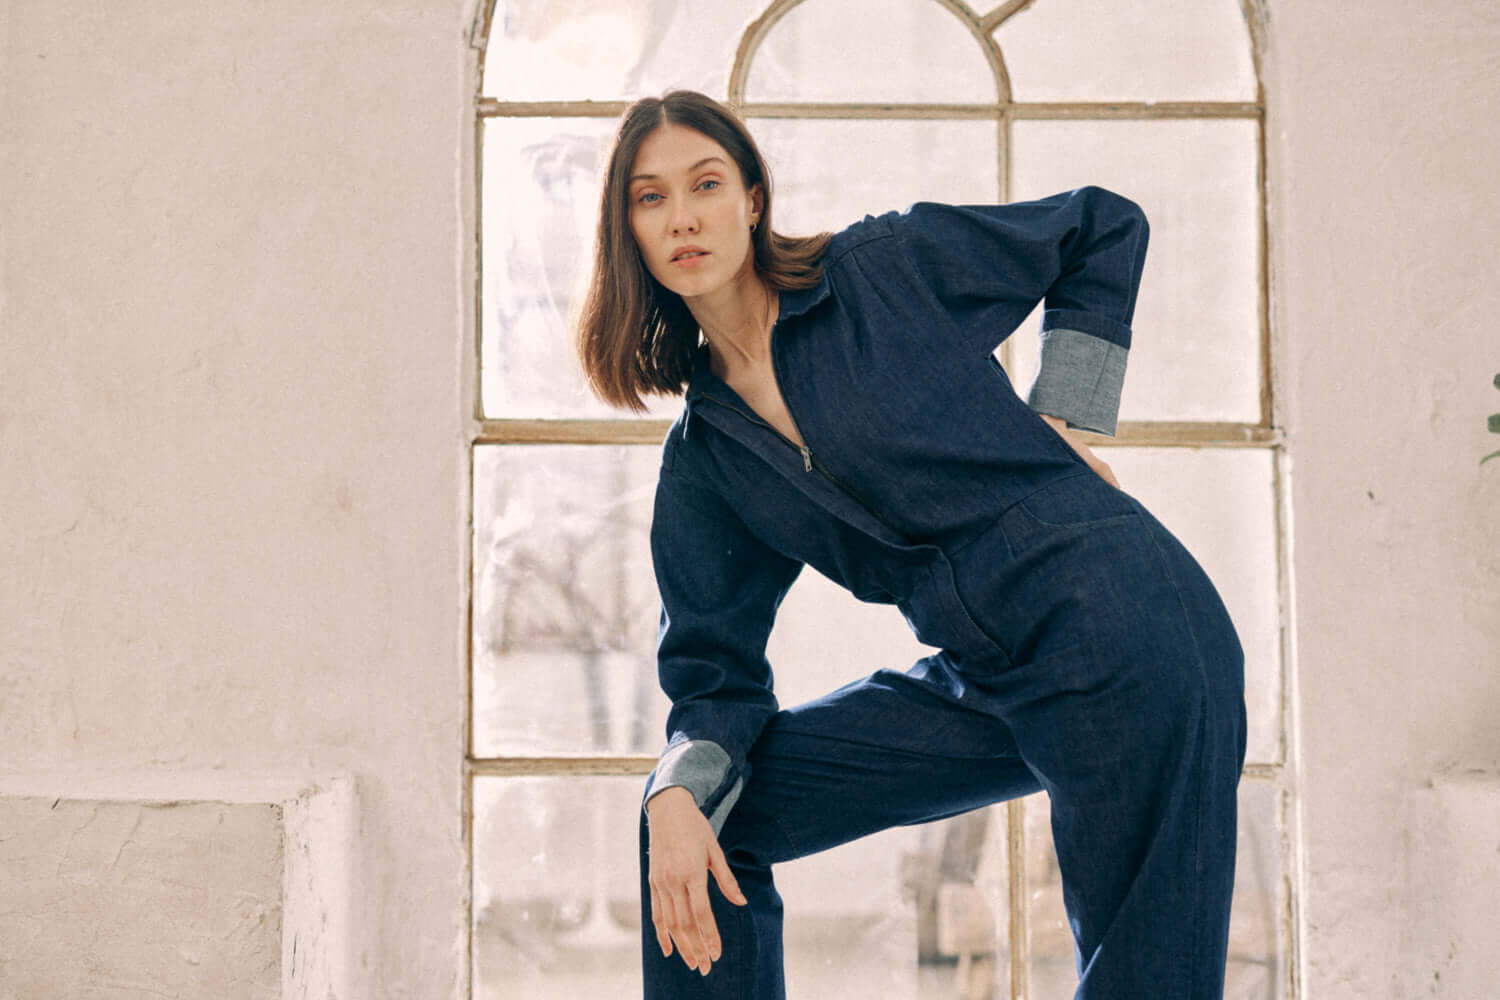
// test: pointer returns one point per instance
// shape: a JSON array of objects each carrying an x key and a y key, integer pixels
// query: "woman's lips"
[{"x": 690, "y": 258}]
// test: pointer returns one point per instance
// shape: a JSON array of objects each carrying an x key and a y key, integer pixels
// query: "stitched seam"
[
  {"x": 797, "y": 851},
  {"x": 1070, "y": 524},
  {"x": 950, "y": 584},
  {"x": 884, "y": 233},
  {"x": 994, "y": 524}
]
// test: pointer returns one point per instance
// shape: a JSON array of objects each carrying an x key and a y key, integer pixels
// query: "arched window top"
[
  {"x": 1105, "y": 50},
  {"x": 871, "y": 51},
  {"x": 899, "y": 51},
  {"x": 582, "y": 50}
]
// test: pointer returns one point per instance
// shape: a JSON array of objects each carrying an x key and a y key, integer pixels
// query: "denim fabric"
[{"x": 1084, "y": 652}]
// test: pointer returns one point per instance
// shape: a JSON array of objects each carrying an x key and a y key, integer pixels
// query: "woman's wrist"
[{"x": 674, "y": 796}]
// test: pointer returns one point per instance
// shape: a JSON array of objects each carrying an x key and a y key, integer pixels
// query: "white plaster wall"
[
  {"x": 1384, "y": 118},
  {"x": 232, "y": 463}
]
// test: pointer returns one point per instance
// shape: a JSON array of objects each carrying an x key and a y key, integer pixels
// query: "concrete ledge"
[
  {"x": 1454, "y": 873},
  {"x": 313, "y": 826}
]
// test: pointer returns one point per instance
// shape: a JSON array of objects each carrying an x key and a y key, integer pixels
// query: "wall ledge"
[
  {"x": 321, "y": 936},
  {"x": 1453, "y": 868}
]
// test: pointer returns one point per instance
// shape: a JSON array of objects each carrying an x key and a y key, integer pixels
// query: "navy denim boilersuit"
[{"x": 1083, "y": 650}]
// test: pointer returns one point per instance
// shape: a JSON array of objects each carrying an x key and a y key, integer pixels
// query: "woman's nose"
[{"x": 684, "y": 224}]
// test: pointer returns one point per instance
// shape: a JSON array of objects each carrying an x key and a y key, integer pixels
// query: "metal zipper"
[
  {"x": 754, "y": 418},
  {"x": 807, "y": 460}
]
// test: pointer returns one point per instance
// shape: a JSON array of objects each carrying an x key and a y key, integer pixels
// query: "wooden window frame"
[{"x": 1262, "y": 434}]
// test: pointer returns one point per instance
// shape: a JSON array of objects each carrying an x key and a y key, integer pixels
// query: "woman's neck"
[{"x": 737, "y": 320}]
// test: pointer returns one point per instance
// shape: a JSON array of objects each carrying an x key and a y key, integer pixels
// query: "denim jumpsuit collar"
[{"x": 703, "y": 382}]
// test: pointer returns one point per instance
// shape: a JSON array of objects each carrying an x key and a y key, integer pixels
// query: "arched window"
[{"x": 861, "y": 106}]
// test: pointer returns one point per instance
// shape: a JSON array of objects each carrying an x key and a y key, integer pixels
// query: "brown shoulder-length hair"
[{"x": 634, "y": 336}]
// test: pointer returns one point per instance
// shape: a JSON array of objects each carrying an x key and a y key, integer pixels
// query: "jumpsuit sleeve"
[
  {"x": 720, "y": 587},
  {"x": 1080, "y": 252}
]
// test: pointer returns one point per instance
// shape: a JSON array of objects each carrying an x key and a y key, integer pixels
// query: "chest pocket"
[{"x": 1076, "y": 500}]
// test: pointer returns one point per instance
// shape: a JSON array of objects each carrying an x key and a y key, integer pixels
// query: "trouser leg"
[
  {"x": 1128, "y": 705},
  {"x": 884, "y": 751},
  {"x": 1171, "y": 925}
]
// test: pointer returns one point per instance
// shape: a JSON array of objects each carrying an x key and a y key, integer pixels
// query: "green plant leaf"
[
  {"x": 1488, "y": 457},
  {"x": 1495, "y": 423}
]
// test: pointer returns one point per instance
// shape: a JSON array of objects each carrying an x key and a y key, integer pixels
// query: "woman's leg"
[
  {"x": 884, "y": 751},
  {"x": 1125, "y": 696}
]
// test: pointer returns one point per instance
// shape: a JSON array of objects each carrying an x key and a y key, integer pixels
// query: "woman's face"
[{"x": 690, "y": 211}]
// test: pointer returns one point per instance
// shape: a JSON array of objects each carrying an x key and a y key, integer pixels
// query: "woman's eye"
[
  {"x": 649, "y": 198},
  {"x": 709, "y": 185}
]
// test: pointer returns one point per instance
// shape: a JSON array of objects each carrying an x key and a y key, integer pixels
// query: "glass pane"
[
  {"x": 556, "y": 899},
  {"x": 556, "y": 888},
  {"x": 905, "y": 51},
  {"x": 1257, "y": 953},
  {"x": 885, "y": 915},
  {"x": 565, "y": 604},
  {"x": 1220, "y": 503},
  {"x": 1052, "y": 969},
  {"x": 824, "y": 638},
  {"x": 1257, "y": 939},
  {"x": 541, "y": 203},
  {"x": 562, "y": 50},
  {"x": 1196, "y": 354},
  {"x": 1104, "y": 50},
  {"x": 828, "y": 174}
]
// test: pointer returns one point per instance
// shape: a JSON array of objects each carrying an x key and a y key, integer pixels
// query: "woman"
[{"x": 843, "y": 410}]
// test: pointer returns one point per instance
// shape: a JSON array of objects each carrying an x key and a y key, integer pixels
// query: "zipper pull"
[{"x": 806, "y": 459}]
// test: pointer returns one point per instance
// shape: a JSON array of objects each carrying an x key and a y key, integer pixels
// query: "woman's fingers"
[
  {"x": 1100, "y": 467},
  {"x": 719, "y": 865},
  {"x": 675, "y": 915},
  {"x": 703, "y": 921},
  {"x": 1107, "y": 473},
  {"x": 686, "y": 928},
  {"x": 659, "y": 921}
]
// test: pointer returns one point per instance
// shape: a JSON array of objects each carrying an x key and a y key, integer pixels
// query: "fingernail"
[{"x": 704, "y": 969}]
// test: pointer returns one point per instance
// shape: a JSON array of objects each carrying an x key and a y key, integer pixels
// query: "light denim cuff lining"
[
  {"x": 716, "y": 820},
  {"x": 700, "y": 766},
  {"x": 1080, "y": 380}
]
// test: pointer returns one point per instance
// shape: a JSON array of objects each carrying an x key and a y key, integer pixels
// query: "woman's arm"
[
  {"x": 720, "y": 588},
  {"x": 1080, "y": 252}
]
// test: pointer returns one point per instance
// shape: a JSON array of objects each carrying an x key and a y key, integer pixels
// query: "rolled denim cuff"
[
  {"x": 1080, "y": 379},
  {"x": 700, "y": 766}
]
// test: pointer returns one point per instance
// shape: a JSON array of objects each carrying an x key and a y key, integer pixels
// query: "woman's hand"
[
  {"x": 683, "y": 850},
  {"x": 1084, "y": 451}
]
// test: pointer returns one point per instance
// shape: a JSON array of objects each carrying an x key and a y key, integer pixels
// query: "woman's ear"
[{"x": 757, "y": 202}]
